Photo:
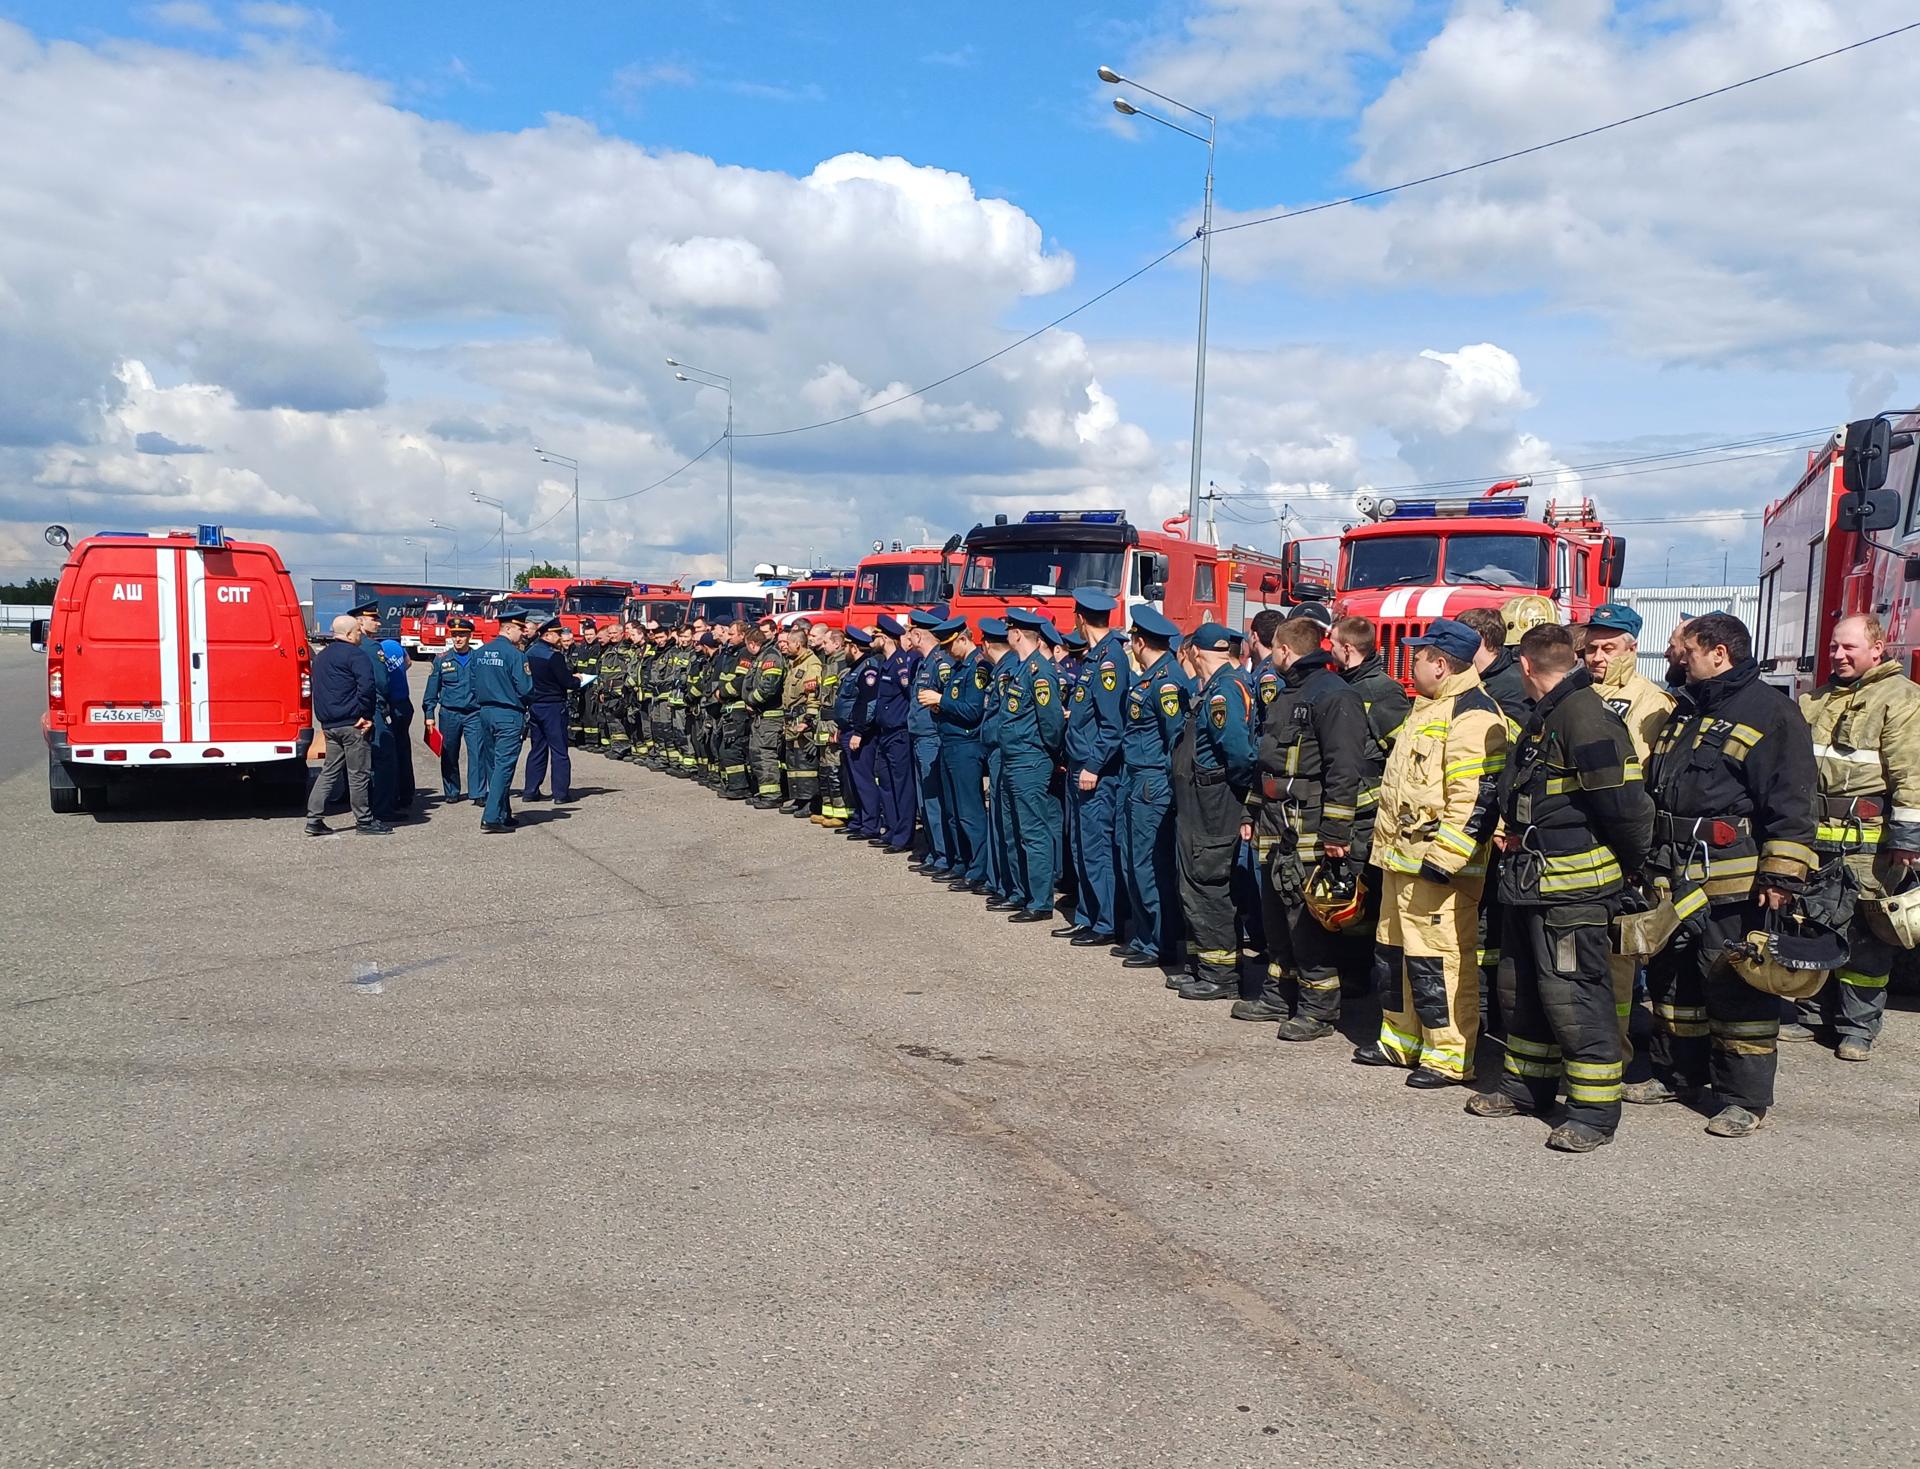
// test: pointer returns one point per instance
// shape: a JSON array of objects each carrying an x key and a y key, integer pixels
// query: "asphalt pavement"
[{"x": 664, "y": 1132}]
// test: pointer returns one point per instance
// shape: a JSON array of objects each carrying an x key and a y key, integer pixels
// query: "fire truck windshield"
[
  {"x": 1041, "y": 571},
  {"x": 596, "y": 601},
  {"x": 1472, "y": 559},
  {"x": 820, "y": 599},
  {"x": 914, "y": 584}
]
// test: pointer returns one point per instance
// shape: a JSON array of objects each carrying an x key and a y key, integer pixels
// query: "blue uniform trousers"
[
  {"x": 547, "y": 731},
  {"x": 893, "y": 759},
  {"x": 504, "y": 728},
  {"x": 1146, "y": 829},
  {"x": 933, "y": 801},
  {"x": 962, "y": 769},
  {"x": 456, "y": 725},
  {"x": 1094, "y": 815},
  {"x": 999, "y": 828},
  {"x": 1035, "y": 829},
  {"x": 404, "y": 790},
  {"x": 862, "y": 786}
]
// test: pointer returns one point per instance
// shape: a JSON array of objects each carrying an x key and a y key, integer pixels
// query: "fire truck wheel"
[{"x": 62, "y": 794}]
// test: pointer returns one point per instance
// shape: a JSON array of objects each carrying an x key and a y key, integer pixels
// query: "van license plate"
[{"x": 124, "y": 716}]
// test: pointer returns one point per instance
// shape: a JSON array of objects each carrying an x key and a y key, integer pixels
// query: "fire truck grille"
[{"x": 1394, "y": 651}]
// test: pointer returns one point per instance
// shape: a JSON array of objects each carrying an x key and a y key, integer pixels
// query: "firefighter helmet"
[
  {"x": 1521, "y": 613},
  {"x": 1894, "y": 918},
  {"x": 1336, "y": 894},
  {"x": 1788, "y": 956}
]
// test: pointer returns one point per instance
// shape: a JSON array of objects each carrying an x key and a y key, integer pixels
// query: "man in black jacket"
[
  {"x": 1575, "y": 821},
  {"x": 547, "y": 716},
  {"x": 345, "y": 706}
]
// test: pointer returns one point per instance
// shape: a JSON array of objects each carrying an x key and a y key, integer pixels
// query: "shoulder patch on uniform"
[
  {"x": 1217, "y": 711},
  {"x": 980, "y": 675},
  {"x": 1042, "y": 691},
  {"x": 1170, "y": 699},
  {"x": 1109, "y": 679}
]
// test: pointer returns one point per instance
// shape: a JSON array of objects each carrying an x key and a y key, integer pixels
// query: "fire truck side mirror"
[
  {"x": 1613, "y": 561},
  {"x": 1867, "y": 447},
  {"x": 37, "y": 633},
  {"x": 1863, "y": 512}
]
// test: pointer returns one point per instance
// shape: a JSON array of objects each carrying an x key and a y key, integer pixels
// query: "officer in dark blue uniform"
[
  {"x": 1213, "y": 768},
  {"x": 929, "y": 680},
  {"x": 853, "y": 717},
  {"x": 893, "y": 753},
  {"x": 450, "y": 692},
  {"x": 1001, "y": 666},
  {"x": 1159, "y": 703},
  {"x": 957, "y": 715},
  {"x": 502, "y": 685},
  {"x": 380, "y": 737},
  {"x": 547, "y": 716},
  {"x": 1032, "y": 727},
  {"x": 1095, "y": 719}
]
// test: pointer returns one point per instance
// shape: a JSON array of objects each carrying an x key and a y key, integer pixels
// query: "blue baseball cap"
[
  {"x": 1093, "y": 599},
  {"x": 951, "y": 628},
  {"x": 993, "y": 629},
  {"x": 888, "y": 624},
  {"x": 923, "y": 617},
  {"x": 1213, "y": 637},
  {"x": 862, "y": 636},
  {"x": 1153, "y": 622},
  {"x": 1025, "y": 617},
  {"x": 511, "y": 614},
  {"x": 1616, "y": 617},
  {"x": 1455, "y": 639}
]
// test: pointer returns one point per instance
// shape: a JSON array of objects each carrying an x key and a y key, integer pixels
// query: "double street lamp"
[
  {"x": 1128, "y": 109},
  {"x": 702, "y": 378},
  {"x": 453, "y": 544},
  {"x": 500, "y": 505},
  {"x": 567, "y": 461}
]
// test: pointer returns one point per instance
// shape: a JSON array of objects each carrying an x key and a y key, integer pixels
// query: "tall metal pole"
[
  {"x": 729, "y": 484},
  {"x": 578, "y": 565},
  {"x": 1200, "y": 348}
]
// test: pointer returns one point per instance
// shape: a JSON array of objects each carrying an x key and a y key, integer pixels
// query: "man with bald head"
[
  {"x": 1866, "y": 743},
  {"x": 345, "y": 705}
]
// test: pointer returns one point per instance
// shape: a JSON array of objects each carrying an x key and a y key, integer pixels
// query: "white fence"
[
  {"x": 15, "y": 619},
  {"x": 1665, "y": 608}
]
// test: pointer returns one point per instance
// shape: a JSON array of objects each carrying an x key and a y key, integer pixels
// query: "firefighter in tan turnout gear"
[
  {"x": 1611, "y": 653},
  {"x": 1430, "y": 840},
  {"x": 1575, "y": 819},
  {"x": 1866, "y": 744},
  {"x": 1733, "y": 784}
]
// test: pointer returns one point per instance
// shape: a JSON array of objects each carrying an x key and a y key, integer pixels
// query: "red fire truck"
[
  {"x": 821, "y": 597},
  {"x": 581, "y": 598},
  {"x": 661, "y": 602},
  {"x": 433, "y": 621},
  {"x": 1039, "y": 560},
  {"x": 538, "y": 606},
  {"x": 174, "y": 649},
  {"x": 1413, "y": 561},
  {"x": 893, "y": 581},
  {"x": 1845, "y": 539}
]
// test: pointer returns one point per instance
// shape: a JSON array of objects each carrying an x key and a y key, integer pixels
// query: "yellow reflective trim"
[
  {"x": 1370, "y": 797},
  {"x": 1539, "y": 1070},
  {"x": 1587, "y": 1091},
  {"x": 1337, "y": 813},
  {"x": 1398, "y": 863},
  {"x": 1853, "y": 834},
  {"x": 1217, "y": 956},
  {"x": 1461, "y": 769},
  {"x": 1438, "y": 730},
  {"x": 1559, "y": 785},
  {"x": 1320, "y": 984},
  {"x": 1595, "y": 1070},
  {"x": 1690, "y": 903},
  {"x": 1745, "y": 1027},
  {"x": 1525, "y": 1047},
  {"x": 1407, "y": 1046},
  {"x": 1452, "y": 837},
  {"x": 1792, "y": 852},
  {"x": 1861, "y": 981}
]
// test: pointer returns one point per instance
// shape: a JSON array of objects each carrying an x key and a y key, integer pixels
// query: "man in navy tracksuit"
[
  {"x": 547, "y": 717},
  {"x": 893, "y": 755},
  {"x": 853, "y": 717}
]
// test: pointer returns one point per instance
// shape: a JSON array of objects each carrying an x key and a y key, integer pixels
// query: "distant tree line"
[{"x": 35, "y": 591}]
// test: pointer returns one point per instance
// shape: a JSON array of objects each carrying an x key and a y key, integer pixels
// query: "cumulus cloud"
[{"x": 1713, "y": 235}]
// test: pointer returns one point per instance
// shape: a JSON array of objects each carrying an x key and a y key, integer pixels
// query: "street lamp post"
[
  {"x": 453, "y": 544},
  {"x": 425, "y": 575},
  {"x": 499, "y": 505},
  {"x": 1128, "y": 109},
  {"x": 701, "y": 377},
  {"x": 567, "y": 461}
]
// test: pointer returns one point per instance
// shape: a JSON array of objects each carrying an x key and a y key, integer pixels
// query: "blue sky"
[{"x": 1005, "y": 95}]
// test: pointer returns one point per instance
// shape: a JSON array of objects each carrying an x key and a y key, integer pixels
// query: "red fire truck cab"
[
  {"x": 1414, "y": 561},
  {"x": 892, "y": 582},
  {"x": 1039, "y": 560},
  {"x": 821, "y": 597},
  {"x": 539, "y": 606},
  {"x": 661, "y": 602},
  {"x": 581, "y": 598},
  {"x": 1825, "y": 555},
  {"x": 174, "y": 649},
  {"x": 433, "y": 621}
]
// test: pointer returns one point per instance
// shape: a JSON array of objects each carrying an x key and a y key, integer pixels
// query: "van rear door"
[
  {"x": 116, "y": 683},
  {"x": 244, "y": 672}
]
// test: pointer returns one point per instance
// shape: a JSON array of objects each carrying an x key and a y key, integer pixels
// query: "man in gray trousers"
[{"x": 344, "y": 706}]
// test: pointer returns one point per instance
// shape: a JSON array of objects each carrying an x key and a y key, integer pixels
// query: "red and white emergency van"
[
  {"x": 171, "y": 649},
  {"x": 821, "y": 597}
]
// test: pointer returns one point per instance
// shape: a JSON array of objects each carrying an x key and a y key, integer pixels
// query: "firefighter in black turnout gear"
[
  {"x": 1734, "y": 783},
  {"x": 1575, "y": 820},
  {"x": 1301, "y": 810}
]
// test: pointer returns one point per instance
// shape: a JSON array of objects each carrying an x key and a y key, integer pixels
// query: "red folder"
[{"x": 434, "y": 742}]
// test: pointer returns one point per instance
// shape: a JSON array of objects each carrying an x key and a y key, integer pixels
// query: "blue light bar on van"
[
  {"x": 1506, "y": 509},
  {"x": 1074, "y": 517},
  {"x": 210, "y": 537}
]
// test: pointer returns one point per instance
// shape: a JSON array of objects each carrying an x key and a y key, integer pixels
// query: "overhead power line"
[
  {"x": 671, "y": 474},
  {"x": 1605, "y": 127},
  {"x": 1158, "y": 260}
]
